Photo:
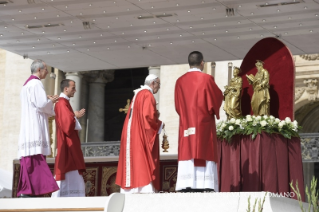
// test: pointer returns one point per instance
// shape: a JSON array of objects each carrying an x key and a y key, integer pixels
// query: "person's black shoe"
[
  {"x": 24, "y": 196},
  {"x": 196, "y": 190}
]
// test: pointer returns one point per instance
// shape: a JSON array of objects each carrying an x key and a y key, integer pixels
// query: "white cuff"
[
  {"x": 160, "y": 129},
  {"x": 77, "y": 124}
]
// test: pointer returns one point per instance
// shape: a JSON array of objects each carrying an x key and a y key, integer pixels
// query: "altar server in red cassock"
[
  {"x": 34, "y": 141},
  {"x": 197, "y": 102},
  {"x": 69, "y": 162},
  {"x": 138, "y": 166}
]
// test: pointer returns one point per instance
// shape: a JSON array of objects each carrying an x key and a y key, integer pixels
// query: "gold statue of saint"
[
  {"x": 260, "y": 102},
  {"x": 232, "y": 96}
]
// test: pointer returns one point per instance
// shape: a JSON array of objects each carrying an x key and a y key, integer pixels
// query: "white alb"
[{"x": 34, "y": 128}]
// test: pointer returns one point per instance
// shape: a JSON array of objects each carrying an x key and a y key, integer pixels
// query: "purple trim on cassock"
[
  {"x": 30, "y": 78},
  {"x": 35, "y": 176}
]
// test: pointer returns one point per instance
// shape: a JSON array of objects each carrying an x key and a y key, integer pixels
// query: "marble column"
[
  {"x": 49, "y": 86},
  {"x": 49, "y": 82},
  {"x": 213, "y": 66},
  {"x": 76, "y": 99},
  {"x": 84, "y": 104},
  {"x": 157, "y": 71},
  {"x": 96, "y": 111}
]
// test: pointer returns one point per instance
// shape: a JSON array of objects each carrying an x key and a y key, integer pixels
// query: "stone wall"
[{"x": 14, "y": 70}]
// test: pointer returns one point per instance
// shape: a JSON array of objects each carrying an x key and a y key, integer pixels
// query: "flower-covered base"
[{"x": 252, "y": 125}]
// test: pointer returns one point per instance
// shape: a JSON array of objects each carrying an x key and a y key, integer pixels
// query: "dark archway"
[
  {"x": 116, "y": 94},
  {"x": 308, "y": 117}
]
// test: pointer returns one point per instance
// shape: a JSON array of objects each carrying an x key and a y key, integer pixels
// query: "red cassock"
[
  {"x": 197, "y": 101},
  {"x": 139, "y": 151},
  {"x": 70, "y": 156}
]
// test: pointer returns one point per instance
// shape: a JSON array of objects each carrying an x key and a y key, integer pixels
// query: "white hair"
[
  {"x": 37, "y": 64},
  {"x": 149, "y": 79}
]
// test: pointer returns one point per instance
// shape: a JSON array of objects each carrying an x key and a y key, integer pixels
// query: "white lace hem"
[
  {"x": 139, "y": 190},
  {"x": 194, "y": 177},
  {"x": 72, "y": 186}
]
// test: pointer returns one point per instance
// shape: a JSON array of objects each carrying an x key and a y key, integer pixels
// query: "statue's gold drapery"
[
  {"x": 260, "y": 101},
  {"x": 232, "y": 96}
]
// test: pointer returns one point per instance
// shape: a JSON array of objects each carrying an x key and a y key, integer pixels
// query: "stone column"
[
  {"x": 49, "y": 87},
  {"x": 84, "y": 104},
  {"x": 213, "y": 66},
  {"x": 58, "y": 76},
  {"x": 95, "y": 123},
  {"x": 76, "y": 99},
  {"x": 49, "y": 82},
  {"x": 157, "y": 71}
]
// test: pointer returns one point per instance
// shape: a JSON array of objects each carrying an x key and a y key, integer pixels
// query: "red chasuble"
[
  {"x": 197, "y": 101},
  {"x": 139, "y": 152},
  {"x": 70, "y": 156}
]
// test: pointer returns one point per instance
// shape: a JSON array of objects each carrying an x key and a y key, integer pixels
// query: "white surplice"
[
  {"x": 148, "y": 189},
  {"x": 72, "y": 186},
  {"x": 34, "y": 128},
  {"x": 197, "y": 177}
]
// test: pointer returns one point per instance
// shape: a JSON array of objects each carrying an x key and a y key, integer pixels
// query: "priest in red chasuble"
[
  {"x": 197, "y": 102},
  {"x": 138, "y": 166},
  {"x": 69, "y": 162}
]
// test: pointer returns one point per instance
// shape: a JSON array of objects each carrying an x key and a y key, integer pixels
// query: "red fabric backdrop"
[{"x": 280, "y": 65}]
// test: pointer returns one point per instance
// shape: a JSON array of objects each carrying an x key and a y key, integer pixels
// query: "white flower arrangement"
[{"x": 253, "y": 125}]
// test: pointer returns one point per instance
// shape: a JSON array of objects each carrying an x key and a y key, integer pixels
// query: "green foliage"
[
  {"x": 254, "y": 125},
  {"x": 312, "y": 195},
  {"x": 260, "y": 204}
]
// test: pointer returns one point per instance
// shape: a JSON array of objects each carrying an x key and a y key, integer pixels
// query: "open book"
[{"x": 251, "y": 78}]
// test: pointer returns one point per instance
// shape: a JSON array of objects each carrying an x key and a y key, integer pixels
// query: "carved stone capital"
[
  {"x": 311, "y": 89},
  {"x": 298, "y": 92},
  {"x": 158, "y": 68},
  {"x": 103, "y": 76},
  {"x": 310, "y": 57},
  {"x": 77, "y": 74}
]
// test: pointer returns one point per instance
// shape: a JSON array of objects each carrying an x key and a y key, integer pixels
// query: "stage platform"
[{"x": 159, "y": 202}]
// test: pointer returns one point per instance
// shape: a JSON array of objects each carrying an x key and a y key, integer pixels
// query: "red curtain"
[{"x": 280, "y": 65}]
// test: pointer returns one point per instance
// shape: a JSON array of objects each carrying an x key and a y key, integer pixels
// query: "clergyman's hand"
[
  {"x": 80, "y": 113},
  {"x": 54, "y": 98},
  {"x": 163, "y": 125}
]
